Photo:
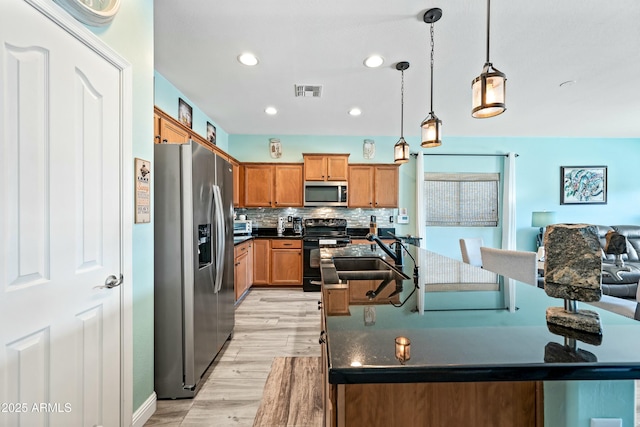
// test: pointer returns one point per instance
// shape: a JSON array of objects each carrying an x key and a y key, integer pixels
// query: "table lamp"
[{"x": 542, "y": 219}]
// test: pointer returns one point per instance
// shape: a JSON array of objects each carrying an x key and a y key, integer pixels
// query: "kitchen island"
[{"x": 480, "y": 367}]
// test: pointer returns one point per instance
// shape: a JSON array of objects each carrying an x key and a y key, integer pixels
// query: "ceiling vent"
[{"x": 309, "y": 90}]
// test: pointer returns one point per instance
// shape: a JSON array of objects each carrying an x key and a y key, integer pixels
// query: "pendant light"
[
  {"x": 489, "y": 88},
  {"x": 401, "y": 149},
  {"x": 432, "y": 125}
]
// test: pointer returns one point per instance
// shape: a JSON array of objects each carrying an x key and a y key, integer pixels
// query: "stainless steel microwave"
[{"x": 325, "y": 193}]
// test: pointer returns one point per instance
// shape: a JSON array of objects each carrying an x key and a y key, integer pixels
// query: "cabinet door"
[
  {"x": 261, "y": 261},
  {"x": 250, "y": 264},
  {"x": 288, "y": 185},
  {"x": 337, "y": 168},
  {"x": 156, "y": 128},
  {"x": 172, "y": 133},
  {"x": 360, "y": 186},
  {"x": 238, "y": 179},
  {"x": 240, "y": 271},
  {"x": 315, "y": 168},
  {"x": 258, "y": 185},
  {"x": 336, "y": 301},
  {"x": 286, "y": 266},
  {"x": 386, "y": 186}
]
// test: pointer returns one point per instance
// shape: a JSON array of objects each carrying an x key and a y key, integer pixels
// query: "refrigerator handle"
[{"x": 219, "y": 221}]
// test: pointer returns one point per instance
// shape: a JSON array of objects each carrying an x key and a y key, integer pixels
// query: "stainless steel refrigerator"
[{"x": 193, "y": 258}]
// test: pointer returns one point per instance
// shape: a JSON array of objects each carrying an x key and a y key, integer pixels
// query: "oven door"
[{"x": 311, "y": 279}]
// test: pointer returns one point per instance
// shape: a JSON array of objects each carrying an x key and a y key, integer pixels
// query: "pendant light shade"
[
  {"x": 489, "y": 88},
  {"x": 401, "y": 149},
  {"x": 431, "y": 125},
  {"x": 431, "y": 133}
]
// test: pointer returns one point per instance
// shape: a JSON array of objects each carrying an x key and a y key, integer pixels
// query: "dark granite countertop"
[
  {"x": 454, "y": 345},
  {"x": 239, "y": 239},
  {"x": 272, "y": 233}
]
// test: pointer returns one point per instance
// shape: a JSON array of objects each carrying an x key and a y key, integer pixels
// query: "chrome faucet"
[{"x": 394, "y": 254}]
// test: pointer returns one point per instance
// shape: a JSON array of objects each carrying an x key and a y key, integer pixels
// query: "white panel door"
[{"x": 60, "y": 226}]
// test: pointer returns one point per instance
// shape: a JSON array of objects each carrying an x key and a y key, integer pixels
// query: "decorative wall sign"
[
  {"x": 369, "y": 149},
  {"x": 185, "y": 113},
  {"x": 143, "y": 191},
  {"x": 275, "y": 148},
  {"x": 581, "y": 185},
  {"x": 211, "y": 133}
]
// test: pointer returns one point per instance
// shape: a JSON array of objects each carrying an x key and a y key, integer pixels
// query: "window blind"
[{"x": 461, "y": 199}]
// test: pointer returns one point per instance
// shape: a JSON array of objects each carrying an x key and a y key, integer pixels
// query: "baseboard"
[{"x": 145, "y": 411}]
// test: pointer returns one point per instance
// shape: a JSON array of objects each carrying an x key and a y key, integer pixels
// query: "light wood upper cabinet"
[
  {"x": 360, "y": 186},
  {"x": 288, "y": 185},
  {"x": 373, "y": 186},
  {"x": 258, "y": 185},
  {"x": 238, "y": 181},
  {"x": 156, "y": 128},
  {"x": 172, "y": 133},
  {"x": 269, "y": 185},
  {"x": 386, "y": 186},
  {"x": 325, "y": 167}
]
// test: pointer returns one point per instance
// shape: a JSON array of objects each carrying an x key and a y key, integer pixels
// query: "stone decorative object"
[{"x": 573, "y": 270}]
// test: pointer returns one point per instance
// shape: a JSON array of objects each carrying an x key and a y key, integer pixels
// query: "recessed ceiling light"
[
  {"x": 355, "y": 112},
  {"x": 373, "y": 61},
  {"x": 248, "y": 59},
  {"x": 271, "y": 111},
  {"x": 567, "y": 83}
]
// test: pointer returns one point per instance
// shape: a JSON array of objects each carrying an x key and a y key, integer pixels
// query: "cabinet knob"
[{"x": 157, "y": 138}]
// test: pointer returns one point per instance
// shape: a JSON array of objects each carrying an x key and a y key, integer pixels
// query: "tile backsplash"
[{"x": 356, "y": 217}]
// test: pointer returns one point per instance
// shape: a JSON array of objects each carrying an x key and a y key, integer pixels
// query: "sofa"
[{"x": 626, "y": 286}]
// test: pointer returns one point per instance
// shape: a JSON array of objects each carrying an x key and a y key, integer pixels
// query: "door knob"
[{"x": 111, "y": 282}]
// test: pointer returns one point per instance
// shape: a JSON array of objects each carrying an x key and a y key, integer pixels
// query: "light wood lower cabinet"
[
  {"x": 243, "y": 267},
  {"x": 261, "y": 261},
  {"x": 277, "y": 262},
  {"x": 286, "y": 262}
]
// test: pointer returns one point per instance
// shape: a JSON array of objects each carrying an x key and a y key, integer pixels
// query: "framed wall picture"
[
  {"x": 583, "y": 185},
  {"x": 142, "y": 191},
  {"x": 211, "y": 133},
  {"x": 185, "y": 113}
]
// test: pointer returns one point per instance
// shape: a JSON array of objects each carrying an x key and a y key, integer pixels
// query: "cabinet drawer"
[{"x": 286, "y": 244}]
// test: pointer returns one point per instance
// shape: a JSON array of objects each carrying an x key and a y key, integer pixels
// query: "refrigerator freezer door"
[
  {"x": 226, "y": 294},
  {"x": 200, "y": 309}
]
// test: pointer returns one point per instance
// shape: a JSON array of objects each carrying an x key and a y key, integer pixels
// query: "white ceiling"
[{"x": 537, "y": 44}]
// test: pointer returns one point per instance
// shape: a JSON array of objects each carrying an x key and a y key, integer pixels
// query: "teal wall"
[
  {"x": 166, "y": 98},
  {"x": 131, "y": 35},
  {"x": 537, "y": 176}
]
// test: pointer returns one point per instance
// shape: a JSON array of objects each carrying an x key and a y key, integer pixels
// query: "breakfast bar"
[{"x": 484, "y": 366}]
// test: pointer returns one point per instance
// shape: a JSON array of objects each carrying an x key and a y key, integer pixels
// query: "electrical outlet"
[
  {"x": 289, "y": 218},
  {"x": 391, "y": 219},
  {"x": 606, "y": 422}
]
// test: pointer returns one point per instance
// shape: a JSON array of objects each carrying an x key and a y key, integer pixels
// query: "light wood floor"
[{"x": 269, "y": 323}]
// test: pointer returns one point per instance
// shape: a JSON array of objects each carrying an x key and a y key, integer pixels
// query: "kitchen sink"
[{"x": 366, "y": 268}]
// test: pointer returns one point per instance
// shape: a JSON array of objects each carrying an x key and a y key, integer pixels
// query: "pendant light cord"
[
  {"x": 431, "y": 32},
  {"x": 402, "y": 106},
  {"x": 488, "y": 23}
]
